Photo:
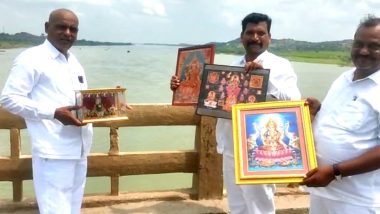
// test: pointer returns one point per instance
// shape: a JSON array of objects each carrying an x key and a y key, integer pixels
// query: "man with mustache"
[
  {"x": 255, "y": 37},
  {"x": 346, "y": 131},
  {"x": 41, "y": 88}
]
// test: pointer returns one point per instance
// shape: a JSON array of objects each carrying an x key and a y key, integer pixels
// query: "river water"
[{"x": 145, "y": 71}]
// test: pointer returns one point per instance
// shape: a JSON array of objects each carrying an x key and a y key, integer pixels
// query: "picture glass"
[
  {"x": 224, "y": 86},
  {"x": 273, "y": 142},
  {"x": 101, "y": 104},
  {"x": 190, "y": 62}
]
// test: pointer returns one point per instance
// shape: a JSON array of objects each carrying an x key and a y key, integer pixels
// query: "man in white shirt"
[
  {"x": 255, "y": 37},
  {"x": 41, "y": 88},
  {"x": 346, "y": 130}
]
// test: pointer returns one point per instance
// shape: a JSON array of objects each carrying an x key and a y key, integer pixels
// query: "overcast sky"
[{"x": 191, "y": 21}]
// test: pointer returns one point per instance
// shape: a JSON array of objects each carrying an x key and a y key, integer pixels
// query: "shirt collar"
[
  {"x": 260, "y": 57},
  {"x": 54, "y": 52},
  {"x": 375, "y": 77}
]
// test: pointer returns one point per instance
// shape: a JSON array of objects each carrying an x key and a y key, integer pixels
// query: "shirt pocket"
[{"x": 352, "y": 116}]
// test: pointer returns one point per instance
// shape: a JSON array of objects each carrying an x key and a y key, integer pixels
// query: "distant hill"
[
  {"x": 332, "y": 52},
  {"x": 286, "y": 45},
  {"x": 26, "y": 39}
]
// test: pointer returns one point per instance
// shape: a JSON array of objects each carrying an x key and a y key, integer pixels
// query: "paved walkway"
[{"x": 288, "y": 201}]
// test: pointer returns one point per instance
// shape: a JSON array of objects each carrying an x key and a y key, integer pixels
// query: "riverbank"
[{"x": 338, "y": 57}]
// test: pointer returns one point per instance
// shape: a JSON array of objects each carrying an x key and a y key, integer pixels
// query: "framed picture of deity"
[
  {"x": 189, "y": 69},
  {"x": 101, "y": 104},
  {"x": 273, "y": 142},
  {"x": 223, "y": 86}
]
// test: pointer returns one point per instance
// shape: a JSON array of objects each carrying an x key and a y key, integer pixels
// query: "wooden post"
[
  {"x": 115, "y": 185},
  {"x": 114, "y": 141},
  {"x": 208, "y": 182},
  {"x": 114, "y": 151},
  {"x": 15, "y": 155},
  {"x": 15, "y": 143}
]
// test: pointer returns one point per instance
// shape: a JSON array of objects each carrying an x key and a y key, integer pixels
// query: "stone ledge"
[{"x": 288, "y": 201}]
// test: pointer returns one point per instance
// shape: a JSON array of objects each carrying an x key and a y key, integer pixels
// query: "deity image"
[
  {"x": 251, "y": 99},
  {"x": 210, "y": 101},
  {"x": 232, "y": 90},
  {"x": 190, "y": 86},
  {"x": 99, "y": 105},
  {"x": 272, "y": 144}
]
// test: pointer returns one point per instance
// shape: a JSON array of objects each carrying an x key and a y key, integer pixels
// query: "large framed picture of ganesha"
[
  {"x": 101, "y": 104},
  {"x": 223, "y": 86},
  {"x": 190, "y": 62},
  {"x": 273, "y": 142}
]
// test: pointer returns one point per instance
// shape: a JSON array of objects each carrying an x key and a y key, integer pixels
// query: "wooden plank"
[
  {"x": 142, "y": 163},
  {"x": 9, "y": 120},
  {"x": 140, "y": 115},
  {"x": 105, "y": 165},
  {"x": 15, "y": 168},
  {"x": 156, "y": 115}
]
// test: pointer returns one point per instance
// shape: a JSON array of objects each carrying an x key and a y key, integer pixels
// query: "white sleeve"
[
  {"x": 283, "y": 82},
  {"x": 15, "y": 96}
]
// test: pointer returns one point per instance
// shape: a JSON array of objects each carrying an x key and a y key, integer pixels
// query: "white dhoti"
[
  {"x": 246, "y": 199},
  {"x": 59, "y": 184}
]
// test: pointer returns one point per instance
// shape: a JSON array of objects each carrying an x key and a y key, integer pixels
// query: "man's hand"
[
  {"x": 256, "y": 64},
  {"x": 174, "y": 82},
  {"x": 319, "y": 177},
  {"x": 66, "y": 117},
  {"x": 314, "y": 106}
]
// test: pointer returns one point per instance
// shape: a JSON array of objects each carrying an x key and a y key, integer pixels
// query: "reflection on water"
[{"x": 145, "y": 72}]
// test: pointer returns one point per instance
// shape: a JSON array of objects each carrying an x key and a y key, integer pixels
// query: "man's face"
[
  {"x": 365, "y": 52},
  {"x": 62, "y": 31},
  {"x": 255, "y": 38}
]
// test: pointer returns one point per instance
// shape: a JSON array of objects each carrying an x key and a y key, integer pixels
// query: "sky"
[{"x": 191, "y": 21}]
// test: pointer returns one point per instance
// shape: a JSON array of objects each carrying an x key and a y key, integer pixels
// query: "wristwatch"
[{"x": 337, "y": 173}]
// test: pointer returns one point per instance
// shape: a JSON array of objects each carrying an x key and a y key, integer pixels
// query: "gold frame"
[
  {"x": 275, "y": 154},
  {"x": 116, "y": 98}
]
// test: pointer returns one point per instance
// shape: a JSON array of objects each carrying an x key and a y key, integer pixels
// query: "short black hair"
[
  {"x": 256, "y": 18},
  {"x": 369, "y": 21}
]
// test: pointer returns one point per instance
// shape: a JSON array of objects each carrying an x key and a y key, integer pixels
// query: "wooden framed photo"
[
  {"x": 223, "y": 86},
  {"x": 273, "y": 142},
  {"x": 102, "y": 104},
  {"x": 190, "y": 62}
]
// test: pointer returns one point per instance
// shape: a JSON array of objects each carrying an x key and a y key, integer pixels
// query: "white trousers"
[
  {"x": 320, "y": 205},
  {"x": 246, "y": 199},
  {"x": 59, "y": 184}
]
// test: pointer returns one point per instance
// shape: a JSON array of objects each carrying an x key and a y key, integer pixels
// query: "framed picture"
[
  {"x": 102, "y": 104},
  {"x": 273, "y": 142},
  {"x": 223, "y": 86},
  {"x": 190, "y": 62}
]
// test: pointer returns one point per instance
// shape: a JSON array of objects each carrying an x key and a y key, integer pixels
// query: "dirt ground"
[{"x": 288, "y": 201}]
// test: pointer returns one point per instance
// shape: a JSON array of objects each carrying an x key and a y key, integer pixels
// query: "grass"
[{"x": 325, "y": 57}]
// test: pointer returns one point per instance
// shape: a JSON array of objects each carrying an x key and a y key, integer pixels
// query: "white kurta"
[
  {"x": 41, "y": 80},
  {"x": 253, "y": 199},
  {"x": 347, "y": 126}
]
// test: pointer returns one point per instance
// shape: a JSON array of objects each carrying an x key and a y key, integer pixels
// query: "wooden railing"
[{"x": 203, "y": 161}]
